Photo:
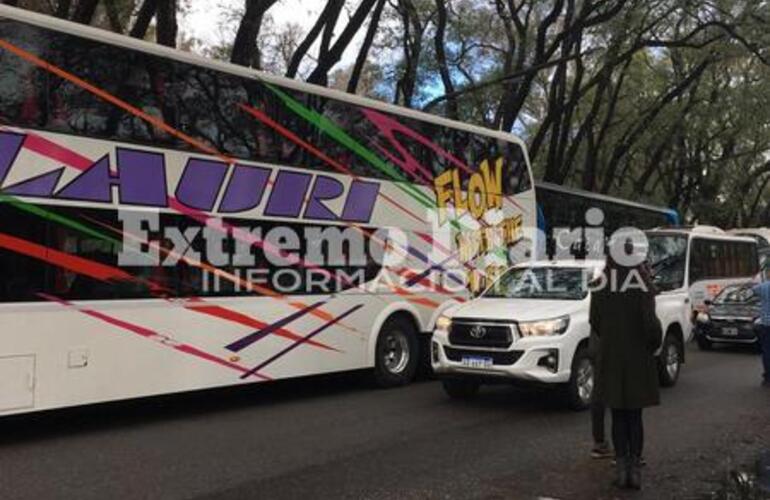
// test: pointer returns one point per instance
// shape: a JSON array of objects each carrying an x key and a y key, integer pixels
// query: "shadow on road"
[
  {"x": 734, "y": 349},
  {"x": 144, "y": 411}
]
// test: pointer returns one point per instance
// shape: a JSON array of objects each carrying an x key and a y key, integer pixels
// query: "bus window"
[
  {"x": 720, "y": 259},
  {"x": 23, "y": 277},
  {"x": 667, "y": 255}
]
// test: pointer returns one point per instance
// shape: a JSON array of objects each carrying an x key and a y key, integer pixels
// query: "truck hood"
[
  {"x": 735, "y": 310},
  {"x": 518, "y": 309}
]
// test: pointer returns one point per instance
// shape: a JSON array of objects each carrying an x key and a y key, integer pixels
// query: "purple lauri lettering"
[{"x": 200, "y": 183}]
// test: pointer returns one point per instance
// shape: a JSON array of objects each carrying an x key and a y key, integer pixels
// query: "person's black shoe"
[
  {"x": 600, "y": 451},
  {"x": 635, "y": 474},
  {"x": 642, "y": 462},
  {"x": 621, "y": 472}
]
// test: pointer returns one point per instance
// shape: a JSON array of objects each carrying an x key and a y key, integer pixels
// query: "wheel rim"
[
  {"x": 584, "y": 381},
  {"x": 672, "y": 361},
  {"x": 395, "y": 353}
]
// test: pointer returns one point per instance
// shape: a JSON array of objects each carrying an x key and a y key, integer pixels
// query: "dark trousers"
[
  {"x": 763, "y": 332},
  {"x": 597, "y": 420},
  {"x": 627, "y": 433}
]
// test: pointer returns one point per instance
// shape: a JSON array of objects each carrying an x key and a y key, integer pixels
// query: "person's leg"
[
  {"x": 621, "y": 444},
  {"x": 636, "y": 442},
  {"x": 597, "y": 421},
  {"x": 620, "y": 433},
  {"x": 635, "y": 433},
  {"x": 764, "y": 342},
  {"x": 601, "y": 448}
]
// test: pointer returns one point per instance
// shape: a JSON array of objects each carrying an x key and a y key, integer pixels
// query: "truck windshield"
[
  {"x": 738, "y": 294},
  {"x": 667, "y": 256},
  {"x": 556, "y": 283}
]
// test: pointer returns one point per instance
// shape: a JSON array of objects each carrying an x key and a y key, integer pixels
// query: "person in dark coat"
[
  {"x": 623, "y": 317},
  {"x": 601, "y": 449}
]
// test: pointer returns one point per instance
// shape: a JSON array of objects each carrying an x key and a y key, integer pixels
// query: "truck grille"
[
  {"x": 477, "y": 333},
  {"x": 498, "y": 358}
]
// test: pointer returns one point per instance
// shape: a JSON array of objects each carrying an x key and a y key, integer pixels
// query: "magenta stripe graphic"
[
  {"x": 303, "y": 340},
  {"x": 246, "y": 341},
  {"x": 161, "y": 339},
  {"x": 435, "y": 267}
]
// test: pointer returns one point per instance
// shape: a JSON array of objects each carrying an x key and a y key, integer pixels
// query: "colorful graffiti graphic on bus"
[
  {"x": 141, "y": 180},
  {"x": 484, "y": 190},
  {"x": 249, "y": 149}
]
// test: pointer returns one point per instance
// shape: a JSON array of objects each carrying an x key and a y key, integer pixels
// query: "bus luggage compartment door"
[{"x": 17, "y": 382}]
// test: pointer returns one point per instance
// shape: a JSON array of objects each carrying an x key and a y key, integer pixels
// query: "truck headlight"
[
  {"x": 545, "y": 327},
  {"x": 702, "y": 317},
  {"x": 443, "y": 323}
]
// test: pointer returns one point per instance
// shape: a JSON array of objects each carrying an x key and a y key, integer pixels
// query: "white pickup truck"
[{"x": 521, "y": 330}]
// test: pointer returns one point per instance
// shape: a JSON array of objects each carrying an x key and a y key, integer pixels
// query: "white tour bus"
[
  {"x": 692, "y": 264},
  {"x": 762, "y": 235},
  {"x": 170, "y": 223}
]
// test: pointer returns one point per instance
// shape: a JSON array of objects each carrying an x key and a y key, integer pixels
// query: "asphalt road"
[{"x": 338, "y": 438}]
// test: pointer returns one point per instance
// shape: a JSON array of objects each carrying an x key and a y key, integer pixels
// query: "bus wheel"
[
  {"x": 670, "y": 361},
  {"x": 396, "y": 353}
]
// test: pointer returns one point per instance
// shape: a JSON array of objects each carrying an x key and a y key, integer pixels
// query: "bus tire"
[
  {"x": 396, "y": 354},
  {"x": 670, "y": 360}
]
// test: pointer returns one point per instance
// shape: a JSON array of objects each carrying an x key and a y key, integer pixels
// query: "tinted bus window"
[
  {"x": 23, "y": 276},
  {"x": 33, "y": 251},
  {"x": 212, "y": 107},
  {"x": 719, "y": 259}
]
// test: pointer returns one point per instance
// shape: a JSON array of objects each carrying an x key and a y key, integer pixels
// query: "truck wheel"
[
  {"x": 460, "y": 389},
  {"x": 704, "y": 344},
  {"x": 670, "y": 361},
  {"x": 582, "y": 381},
  {"x": 396, "y": 353}
]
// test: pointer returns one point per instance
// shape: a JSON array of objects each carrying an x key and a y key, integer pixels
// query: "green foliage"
[{"x": 655, "y": 100}]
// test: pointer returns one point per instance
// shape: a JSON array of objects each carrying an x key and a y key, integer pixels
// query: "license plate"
[
  {"x": 730, "y": 332},
  {"x": 476, "y": 362}
]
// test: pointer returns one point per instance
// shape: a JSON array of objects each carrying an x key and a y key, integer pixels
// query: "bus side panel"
[{"x": 103, "y": 352}]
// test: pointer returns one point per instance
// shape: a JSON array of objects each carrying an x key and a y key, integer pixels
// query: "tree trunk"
[
  {"x": 84, "y": 11},
  {"x": 646, "y": 120},
  {"x": 358, "y": 67},
  {"x": 443, "y": 67},
  {"x": 331, "y": 11},
  {"x": 143, "y": 19},
  {"x": 245, "y": 47},
  {"x": 113, "y": 16},
  {"x": 63, "y": 9},
  {"x": 412, "y": 43},
  {"x": 167, "y": 24},
  {"x": 331, "y": 57}
]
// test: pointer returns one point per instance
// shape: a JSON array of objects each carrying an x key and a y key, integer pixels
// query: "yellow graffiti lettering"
[
  {"x": 493, "y": 183},
  {"x": 484, "y": 190},
  {"x": 461, "y": 204},
  {"x": 477, "y": 198},
  {"x": 443, "y": 192}
]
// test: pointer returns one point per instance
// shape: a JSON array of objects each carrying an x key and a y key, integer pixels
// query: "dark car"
[{"x": 730, "y": 318}]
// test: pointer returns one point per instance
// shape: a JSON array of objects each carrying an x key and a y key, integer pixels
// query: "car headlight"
[
  {"x": 702, "y": 317},
  {"x": 757, "y": 321},
  {"x": 443, "y": 323},
  {"x": 546, "y": 327}
]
